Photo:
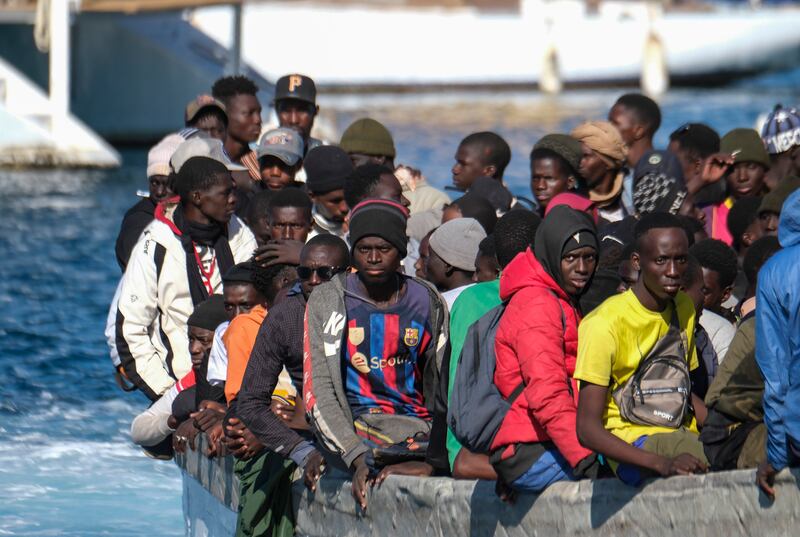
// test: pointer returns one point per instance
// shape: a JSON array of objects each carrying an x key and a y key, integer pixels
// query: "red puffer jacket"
[{"x": 532, "y": 346}]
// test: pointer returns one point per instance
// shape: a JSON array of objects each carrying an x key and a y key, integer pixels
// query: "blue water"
[{"x": 67, "y": 466}]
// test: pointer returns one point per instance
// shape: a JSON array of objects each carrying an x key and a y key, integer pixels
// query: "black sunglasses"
[{"x": 324, "y": 273}]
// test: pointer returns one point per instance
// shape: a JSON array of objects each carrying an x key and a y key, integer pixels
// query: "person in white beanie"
[{"x": 453, "y": 247}]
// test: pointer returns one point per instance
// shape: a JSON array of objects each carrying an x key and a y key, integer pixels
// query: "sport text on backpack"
[{"x": 659, "y": 391}]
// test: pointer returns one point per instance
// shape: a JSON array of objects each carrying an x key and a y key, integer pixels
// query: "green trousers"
[{"x": 265, "y": 496}]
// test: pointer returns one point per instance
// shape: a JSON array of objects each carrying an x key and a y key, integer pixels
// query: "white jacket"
[{"x": 155, "y": 302}]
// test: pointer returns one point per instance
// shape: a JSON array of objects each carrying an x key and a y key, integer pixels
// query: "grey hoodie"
[{"x": 323, "y": 386}]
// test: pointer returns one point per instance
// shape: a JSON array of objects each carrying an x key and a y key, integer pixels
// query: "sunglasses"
[{"x": 324, "y": 273}]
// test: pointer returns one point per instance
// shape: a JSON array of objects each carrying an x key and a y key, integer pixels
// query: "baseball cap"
[
  {"x": 202, "y": 146},
  {"x": 781, "y": 130},
  {"x": 296, "y": 86},
  {"x": 202, "y": 101},
  {"x": 284, "y": 143}
]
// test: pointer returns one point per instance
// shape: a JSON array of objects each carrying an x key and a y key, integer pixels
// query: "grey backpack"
[{"x": 659, "y": 391}]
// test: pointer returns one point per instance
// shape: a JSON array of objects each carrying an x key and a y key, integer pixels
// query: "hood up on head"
[
  {"x": 561, "y": 227},
  {"x": 789, "y": 224}
]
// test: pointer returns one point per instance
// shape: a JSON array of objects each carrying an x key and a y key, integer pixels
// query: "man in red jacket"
[{"x": 536, "y": 444}]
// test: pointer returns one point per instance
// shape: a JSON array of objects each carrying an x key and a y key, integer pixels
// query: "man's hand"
[
  {"x": 293, "y": 416},
  {"x": 315, "y": 466},
  {"x": 184, "y": 435},
  {"x": 241, "y": 443},
  {"x": 277, "y": 252},
  {"x": 360, "y": 476},
  {"x": 215, "y": 435},
  {"x": 683, "y": 464},
  {"x": 209, "y": 414},
  {"x": 412, "y": 468},
  {"x": 715, "y": 166},
  {"x": 765, "y": 478}
]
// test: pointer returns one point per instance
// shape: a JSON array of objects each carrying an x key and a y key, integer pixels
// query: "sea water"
[{"x": 67, "y": 465}]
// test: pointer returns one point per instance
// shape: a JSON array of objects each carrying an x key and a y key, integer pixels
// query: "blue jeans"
[{"x": 547, "y": 469}]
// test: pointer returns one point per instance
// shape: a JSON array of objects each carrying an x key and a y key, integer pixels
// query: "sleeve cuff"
[{"x": 300, "y": 452}]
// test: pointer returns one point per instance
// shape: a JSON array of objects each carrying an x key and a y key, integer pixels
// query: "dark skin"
[
  {"x": 661, "y": 258},
  {"x": 746, "y": 179},
  {"x": 213, "y": 125},
  {"x": 627, "y": 274},
  {"x": 444, "y": 275},
  {"x": 471, "y": 164},
  {"x": 331, "y": 204},
  {"x": 200, "y": 341},
  {"x": 699, "y": 172},
  {"x": 360, "y": 159},
  {"x": 262, "y": 231},
  {"x": 487, "y": 268},
  {"x": 469, "y": 465},
  {"x": 296, "y": 114},
  {"x": 216, "y": 204},
  {"x": 753, "y": 232},
  {"x": 289, "y": 228},
  {"x": 635, "y": 134},
  {"x": 714, "y": 294},
  {"x": 782, "y": 166},
  {"x": 241, "y": 298},
  {"x": 451, "y": 212},
  {"x": 275, "y": 173},
  {"x": 549, "y": 179},
  {"x": 244, "y": 124},
  {"x": 577, "y": 267},
  {"x": 424, "y": 252},
  {"x": 769, "y": 223},
  {"x": 389, "y": 188},
  {"x": 159, "y": 188},
  {"x": 599, "y": 176}
]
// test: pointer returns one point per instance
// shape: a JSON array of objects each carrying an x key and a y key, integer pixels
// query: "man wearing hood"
[
  {"x": 778, "y": 346},
  {"x": 536, "y": 444}
]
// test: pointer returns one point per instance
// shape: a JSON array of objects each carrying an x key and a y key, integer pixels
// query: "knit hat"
[
  {"x": 744, "y": 145},
  {"x": 296, "y": 86},
  {"x": 659, "y": 186},
  {"x": 603, "y": 138},
  {"x": 159, "y": 155},
  {"x": 772, "y": 202},
  {"x": 564, "y": 146},
  {"x": 283, "y": 143},
  {"x": 202, "y": 146},
  {"x": 241, "y": 272},
  {"x": 209, "y": 314},
  {"x": 380, "y": 218},
  {"x": 201, "y": 102},
  {"x": 368, "y": 137},
  {"x": 742, "y": 214},
  {"x": 326, "y": 167},
  {"x": 457, "y": 242},
  {"x": 781, "y": 130}
]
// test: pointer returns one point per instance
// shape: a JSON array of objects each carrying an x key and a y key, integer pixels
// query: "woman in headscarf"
[{"x": 536, "y": 346}]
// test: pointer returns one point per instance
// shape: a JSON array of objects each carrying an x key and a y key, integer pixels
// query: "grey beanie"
[{"x": 457, "y": 242}]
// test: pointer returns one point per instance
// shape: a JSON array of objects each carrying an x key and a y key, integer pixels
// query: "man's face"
[
  {"x": 695, "y": 291},
  {"x": 487, "y": 269},
  {"x": 713, "y": 292},
  {"x": 360, "y": 159},
  {"x": 424, "y": 252},
  {"x": 275, "y": 173},
  {"x": 547, "y": 180},
  {"x": 746, "y": 179},
  {"x": 468, "y": 167},
  {"x": 318, "y": 256},
  {"x": 388, "y": 188},
  {"x": 577, "y": 268},
  {"x": 662, "y": 261},
  {"x": 436, "y": 270},
  {"x": 200, "y": 341},
  {"x": 213, "y": 125},
  {"x": 592, "y": 168},
  {"x": 296, "y": 114},
  {"x": 376, "y": 260},
  {"x": 627, "y": 274},
  {"x": 244, "y": 118},
  {"x": 331, "y": 205},
  {"x": 625, "y": 122},
  {"x": 769, "y": 223},
  {"x": 241, "y": 298},
  {"x": 159, "y": 188},
  {"x": 219, "y": 201},
  {"x": 262, "y": 230},
  {"x": 290, "y": 223}
]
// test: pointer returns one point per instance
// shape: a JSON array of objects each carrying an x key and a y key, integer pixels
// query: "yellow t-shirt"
[{"x": 614, "y": 338}]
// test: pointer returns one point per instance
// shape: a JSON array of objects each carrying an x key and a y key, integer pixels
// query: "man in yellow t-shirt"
[{"x": 613, "y": 340}]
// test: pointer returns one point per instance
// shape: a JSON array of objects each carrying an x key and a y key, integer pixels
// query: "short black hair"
[
  {"x": 545, "y": 153},
  {"x": 495, "y": 150},
  {"x": 693, "y": 272},
  {"x": 264, "y": 279},
  {"x": 258, "y": 207},
  {"x": 199, "y": 173},
  {"x": 228, "y": 87},
  {"x": 650, "y": 221},
  {"x": 644, "y": 108},
  {"x": 758, "y": 254},
  {"x": 290, "y": 197},
  {"x": 713, "y": 254},
  {"x": 359, "y": 185},
  {"x": 474, "y": 206},
  {"x": 206, "y": 112},
  {"x": 486, "y": 247},
  {"x": 327, "y": 239},
  {"x": 743, "y": 213},
  {"x": 691, "y": 226},
  {"x": 697, "y": 139},
  {"x": 513, "y": 233}
]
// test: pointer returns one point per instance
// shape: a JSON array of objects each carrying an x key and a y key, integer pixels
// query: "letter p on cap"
[{"x": 295, "y": 82}]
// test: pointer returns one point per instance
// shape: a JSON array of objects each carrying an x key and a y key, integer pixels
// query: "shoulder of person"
[{"x": 686, "y": 310}]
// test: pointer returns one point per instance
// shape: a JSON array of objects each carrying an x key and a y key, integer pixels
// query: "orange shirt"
[{"x": 239, "y": 339}]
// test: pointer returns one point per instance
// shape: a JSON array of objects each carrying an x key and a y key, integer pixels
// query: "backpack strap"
[{"x": 516, "y": 393}]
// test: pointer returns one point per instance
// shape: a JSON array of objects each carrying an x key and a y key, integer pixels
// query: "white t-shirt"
[
  {"x": 218, "y": 358},
  {"x": 451, "y": 295}
]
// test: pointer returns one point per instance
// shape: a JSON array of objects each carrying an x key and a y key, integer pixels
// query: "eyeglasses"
[{"x": 324, "y": 273}]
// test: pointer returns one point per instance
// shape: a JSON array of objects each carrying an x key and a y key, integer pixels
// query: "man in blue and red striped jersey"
[{"x": 374, "y": 343}]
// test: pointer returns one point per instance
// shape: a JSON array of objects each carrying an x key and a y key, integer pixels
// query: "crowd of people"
[{"x": 313, "y": 307}]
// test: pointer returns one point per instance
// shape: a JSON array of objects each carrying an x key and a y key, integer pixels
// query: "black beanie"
[
  {"x": 380, "y": 218},
  {"x": 326, "y": 167},
  {"x": 241, "y": 272},
  {"x": 741, "y": 215},
  {"x": 209, "y": 314}
]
